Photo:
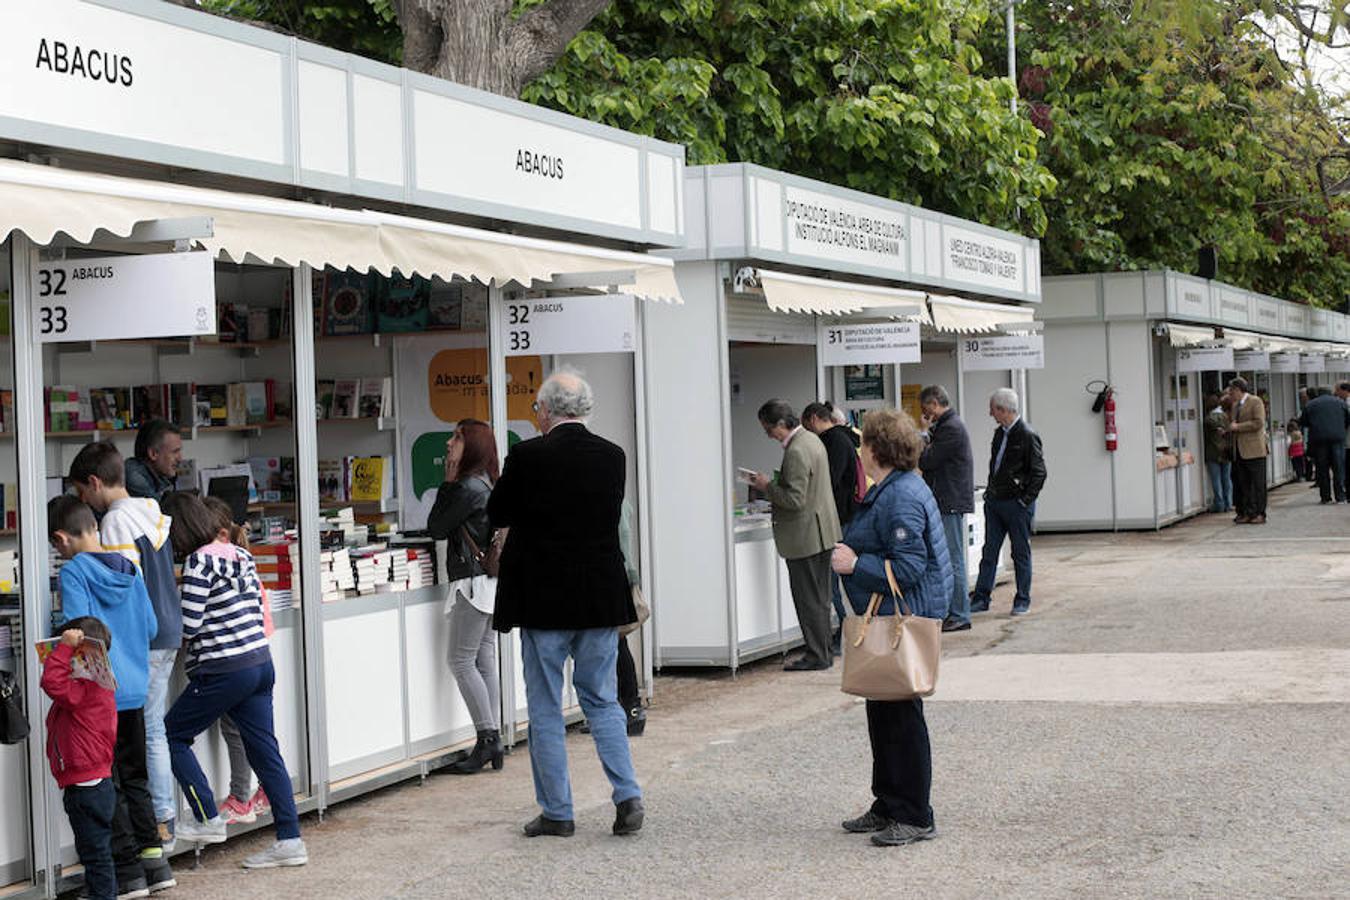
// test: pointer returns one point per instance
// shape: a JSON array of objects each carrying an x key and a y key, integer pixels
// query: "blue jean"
[
  {"x": 90, "y": 810},
  {"x": 1221, "y": 479},
  {"x": 1010, "y": 519},
  {"x": 246, "y": 696},
  {"x": 594, "y": 653},
  {"x": 954, "y": 527},
  {"x": 156, "y": 744}
]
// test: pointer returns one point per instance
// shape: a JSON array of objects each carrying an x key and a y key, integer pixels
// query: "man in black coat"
[
  {"x": 1016, "y": 476},
  {"x": 563, "y": 582},
  {"x": 1324, "y": 421},
  {"x": 948, "y": 465},
  {"x": 841, "y": 448}
]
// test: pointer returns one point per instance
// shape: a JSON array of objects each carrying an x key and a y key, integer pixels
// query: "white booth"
[
  {"x": 319, "y": 351},
  {"x": 1161, "y": 341},
  {"x": 799, "y": 290}
]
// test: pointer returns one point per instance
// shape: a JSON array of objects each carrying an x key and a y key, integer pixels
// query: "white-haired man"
[
  {"x": 1016, "y": 476},
  {"x": 563, "y": 582}
]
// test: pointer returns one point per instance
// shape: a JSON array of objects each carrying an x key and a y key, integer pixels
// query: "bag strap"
[
  {"x": 898, "y": 594},
  {"x": 473, "y": 545}
]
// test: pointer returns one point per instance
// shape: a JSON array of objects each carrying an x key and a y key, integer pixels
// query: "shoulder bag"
[
  {"x": 890, "y": 657},
  {"x": 644, "y": 612},
  {"x": 489, "y": 559},
  {"x": 13, "y": 723}
]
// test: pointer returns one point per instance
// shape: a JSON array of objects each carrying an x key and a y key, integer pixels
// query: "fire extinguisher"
[{"x": 1105, "y": 403}]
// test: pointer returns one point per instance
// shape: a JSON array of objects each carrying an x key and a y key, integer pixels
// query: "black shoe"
[
  {"x": 978, "y": 605},
  {"x": 158, "y": 875},
  {"x": 805, "y": 664},
  {"x": 867, "y": 823},
  {"x": 950, "y": 624},
  {"x": 542, "y": 827},
  {"x": 628, "y": 816},
  {"x": 1021, "y": 608},
  {"x": 488, "y": 749},
  {"x": 132, "y": 888},
  {"x": 637, "y": 721},
  {"x": 1324, "y": 502},
  {"x": 897, "y": 834}
]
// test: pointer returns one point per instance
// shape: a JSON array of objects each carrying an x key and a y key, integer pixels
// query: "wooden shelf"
[
  {"x": 8, "y": 532},
  {"x": 362, "y": 507},
  {"x": 374, "y": 338},
  {"x": 179, "y": 346},
  {"x": 95, "y": 434},
  {"x": 382, "y": 423}
]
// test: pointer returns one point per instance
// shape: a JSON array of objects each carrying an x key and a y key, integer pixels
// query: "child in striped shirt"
[{"x": 229, "y": 669}]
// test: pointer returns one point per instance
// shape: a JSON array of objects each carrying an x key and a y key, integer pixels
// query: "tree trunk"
[{"x": 478, "y": 43}]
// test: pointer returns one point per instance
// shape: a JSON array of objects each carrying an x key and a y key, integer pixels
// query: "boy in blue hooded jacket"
[{"x": 109, "y": 587}]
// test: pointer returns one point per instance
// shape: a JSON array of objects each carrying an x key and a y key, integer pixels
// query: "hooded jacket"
[
  {"x": 222, "y": 611},
  {"x": 110, "y": 588},
  {"x": 135, "y": 528},
  {"x": 82, "y": 723}
]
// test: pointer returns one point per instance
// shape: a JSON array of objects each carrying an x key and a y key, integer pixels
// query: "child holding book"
[
  {"x": 229, "y": 669},
  {"x": 81, "y": 733},
  {"x": 109, "y": 587},
  {"x": 136, "y": 528}
]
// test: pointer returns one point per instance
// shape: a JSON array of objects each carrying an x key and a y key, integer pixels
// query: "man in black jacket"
[
  {"x": 948, "y": 465},
  {"x": 1324, "y": 421},
  {"x": 842, "y": 451},
  {"x": 563, "y": 582},
  {"x": 1016, "y": 476}
]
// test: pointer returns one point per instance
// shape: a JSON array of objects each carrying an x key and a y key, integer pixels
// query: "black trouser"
[
  {"x": 1249, "y": 485},
  {"x": 134, "y": 826},
  {"x": 1330, "y": 458},
  {"x": 902, "y": 761},
  {"x": 629, "y": 698},
  {"x": 91, "y": 810},
  {"x": 809, "y": 579}
]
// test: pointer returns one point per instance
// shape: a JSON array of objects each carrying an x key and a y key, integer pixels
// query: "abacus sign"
[
  {"x": 879, "y": 343},
  {"x": 110, "y": 298},
  {"x": 1015, "y": 351},
  {"x": 599, "y": 324}
]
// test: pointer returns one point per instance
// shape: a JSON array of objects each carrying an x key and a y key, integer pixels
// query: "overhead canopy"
[
  {"x": 961, "y": 316},
  {"x": 1244, "y": 340},
  {"x": 788, "y": 293},
  {"x": 1189, "y": 335},
  {"x": 42, "y": 201}
]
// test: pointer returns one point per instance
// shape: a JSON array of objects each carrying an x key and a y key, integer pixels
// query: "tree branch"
[{"x": 541, "y": 35}]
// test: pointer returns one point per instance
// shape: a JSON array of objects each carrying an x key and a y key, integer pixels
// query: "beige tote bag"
[{"x": 890, "y": 657}]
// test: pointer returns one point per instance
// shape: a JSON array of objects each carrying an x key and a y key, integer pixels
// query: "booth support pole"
[
  {"x": 506, "y": 656},
  {"x": 30, "y": 446},
  {"x": 716, "y": 281},
  {"x": 821, "y": 387},
  {"x": 647, "y": 568},
  {"x": 307, "y": 499},
  {"x": 1176, "y": 405}
]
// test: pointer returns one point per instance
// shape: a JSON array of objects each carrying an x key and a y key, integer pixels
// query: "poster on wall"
[
  {"x": 864, "y": 383},
  {"x": 909, "y": 401},
  {"x": 442, "y": 380}
]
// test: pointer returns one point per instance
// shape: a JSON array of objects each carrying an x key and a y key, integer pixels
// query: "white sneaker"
[
  {"x": 190, "y": 831},
  {"x": 290, "y": 852}
]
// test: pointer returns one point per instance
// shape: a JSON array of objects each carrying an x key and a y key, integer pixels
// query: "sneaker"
[
  {"x": 897, "y": 834},
  {"x": 290, "y": 852},
  {"x": 867, "y": 822},
  {"x": 1021, "y": 608},
  {"x": 158, "y": 874},
  {"x": 260, "y": 804},
  {"x": 166, "y": 836},
  {"x": 132, "y": 889},
  {"x": 209, "y": 832},
  {"x": 237, "y": 811}
]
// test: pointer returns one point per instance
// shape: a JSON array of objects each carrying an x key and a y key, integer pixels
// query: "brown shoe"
[
  {"x": 1242, "y": 520},
  {"x": 1257, "y": 520}
]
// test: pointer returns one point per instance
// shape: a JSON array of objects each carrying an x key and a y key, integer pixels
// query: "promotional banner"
[{"x": 998, "y": 353}]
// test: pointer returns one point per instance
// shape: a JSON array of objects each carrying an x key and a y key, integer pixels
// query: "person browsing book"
[
  {"x": 81, "y": 736},
  {"x": 152, "y": 469},
  {"x": 108, "y": 586}
]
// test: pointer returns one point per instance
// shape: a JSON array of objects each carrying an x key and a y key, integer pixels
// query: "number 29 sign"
[{"x": 117, "y": 297}]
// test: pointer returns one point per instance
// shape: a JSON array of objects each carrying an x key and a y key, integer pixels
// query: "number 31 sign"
[{"x": 114, "y": 297}]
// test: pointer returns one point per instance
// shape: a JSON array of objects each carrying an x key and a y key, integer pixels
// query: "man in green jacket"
[{"x": 805, "y": 527}]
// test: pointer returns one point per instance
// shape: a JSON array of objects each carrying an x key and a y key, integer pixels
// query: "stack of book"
[
  {"x": 6, "y": 642},
  {"x": 372, "y": 565},
  {"x": 335, "y": 575},
  {"x": 239, "y": 322},
  {"x": 356, "y": 479},
  {"x": 354, "y": 398},
  {"x": 273, "y": 559},
  {"x": 70, "y": 408},
  {"x": 414, "y": 562}
]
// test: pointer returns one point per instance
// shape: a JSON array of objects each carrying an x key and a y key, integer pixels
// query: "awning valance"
[
  {"x": 1189, "y": 335},
  {"x": 1244, "y": 340},
  {"x": 961, "y": 316},
  {"x": 42, "y": 201},
  {"x": 787, "y": 293}
]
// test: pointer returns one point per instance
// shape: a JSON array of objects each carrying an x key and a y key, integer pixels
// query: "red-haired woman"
[{"x": 460, "y": 515}]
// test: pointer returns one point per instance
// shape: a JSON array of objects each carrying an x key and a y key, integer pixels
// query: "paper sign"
[
  {"x": 555, "y": 325},
  {"x": 90, "y": 661},
  {"x": 875, "y": 344},
  {"x": 1284, "y": 362},
  {"x": 108, "y": 298},
  {"x": 1204, "y": 359},
  {"x": 998, "y": 353},
  {"x": 1251, "y": 361}
]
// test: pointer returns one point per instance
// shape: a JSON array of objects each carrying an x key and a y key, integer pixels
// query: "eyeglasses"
[{"x": 534, "y": 407}]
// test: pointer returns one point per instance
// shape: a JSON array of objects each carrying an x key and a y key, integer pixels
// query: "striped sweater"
[{"x": 222, "y": 611}]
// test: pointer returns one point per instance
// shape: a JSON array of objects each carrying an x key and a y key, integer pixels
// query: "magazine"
[{"x": 89, "y": 662}]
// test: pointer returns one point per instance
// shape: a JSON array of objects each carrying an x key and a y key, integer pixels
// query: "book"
[
  {"x": 90, "y": 661},
  {"x": 111, "y": 408},
  {"x": 261, "y": 321},
  {"x": 7, "y": 411},
  {"x": 332, "y": 480},
  {"x": 344, "y": 398},
  {"x": 370, "y": 478},
  {"x": 185, "y": 476},
  {"x": 63, "y": 408},
  {"x": 401, "y": 304},
  {"x": 323, "y": 400},
  {"x": 445, "y": 307},
  {"x": 274, "y": 477},
  {"x": 231, "y": 322},
  {"x": 346, "y": 307},
  {"x": 212, "y": 404},
  {"x": 282, "y": 400},
  {"x": 257, "y": 405},
  {"x": 236, "y": 404},
  {"x": 181, "y": 403},
  {"x": 208, "y": 474},
  {"x": 376, "y": 397},
  {"x": 84, "y": 417},
  {"x": 147, "y": 403}
]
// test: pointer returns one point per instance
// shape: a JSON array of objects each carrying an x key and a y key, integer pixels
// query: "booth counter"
[
  {"x": 318, "y": 355},
  {"x": 801, "y": 291},
  {"x": 1162, "y": 341}
]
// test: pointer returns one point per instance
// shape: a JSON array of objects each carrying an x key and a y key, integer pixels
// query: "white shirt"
[{"x": 791, "y": 434}]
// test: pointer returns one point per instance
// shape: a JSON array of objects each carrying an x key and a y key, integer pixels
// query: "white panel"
[
  {"x": 853, "y": 234},
  {"x": 288, "y": 699},
  {"x": 756, "y": 590},
  {"x": 1130, "y": 348},
  {"x": 932, "y": 240},
  {"x": 750, "y": 319},
  {"x": 763, "y": 372},
  {"x": 323, "y": 118},
  {"x": 786, "y": 607},
  {"x": 1234, "y": 306},
  {"x": 1069, "y": 297},
  {"x": 661, "y": 193},
  {"x": 918, "y": 247},
  {"x": 363, "y": 680},
  {"x": 378, "y": 123},
  {"x": 978, "y": 258},
  {"x": 13, "y": 803},
  {"x": 1123, "y": 296},
  {"x": 768, "y": 219},
  {"x": 1189, "y": 298},
  {"x": 726, "y": 213},
  {"x": 975, "y": 410},
  {"x": 435, "y": 706}
]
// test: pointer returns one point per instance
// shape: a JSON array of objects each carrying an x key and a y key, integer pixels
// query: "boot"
[{"x": 487, "y": 749}]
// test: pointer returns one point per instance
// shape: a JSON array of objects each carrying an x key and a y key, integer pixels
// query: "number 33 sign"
[{"x": 113, "y": 297}]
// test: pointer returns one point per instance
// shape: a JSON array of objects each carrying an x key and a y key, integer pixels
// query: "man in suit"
[
  {"x": 1016, "y": 476},
  {"x": 1248, "y": 428},
  {"x": 805, "y": 527},
  {"x": 948, "y": 465},
  {"x": 845, "y": 469},
  {"x": 1324, "y": 421},
  {"x": 563, "y": 582}
]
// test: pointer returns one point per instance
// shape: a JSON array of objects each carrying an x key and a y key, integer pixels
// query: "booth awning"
[
  {"x": 955, "y": 314},
  {"x": 42, "y": 201},
  {"x": 1189, "y": 335},
  {"x": 1244, "y": 340},
  {"x": 788, "y": 293}
]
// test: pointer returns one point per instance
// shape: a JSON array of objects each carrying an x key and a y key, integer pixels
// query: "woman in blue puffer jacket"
[{"x": 898, "y": 522}]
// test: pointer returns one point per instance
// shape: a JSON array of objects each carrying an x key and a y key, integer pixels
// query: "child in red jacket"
[{"x": 81, "y": 732}]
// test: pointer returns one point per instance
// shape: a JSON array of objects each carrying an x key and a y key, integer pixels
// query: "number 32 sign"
[{"x": 115, "y": 297}]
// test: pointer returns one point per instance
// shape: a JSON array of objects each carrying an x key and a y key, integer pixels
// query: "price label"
[
  {"x": 600, "y": 324},
  {"x": 114, "y": 297},
  {"x": 880, "y": 343},
  {"x": 1014, "y": 351},
  {"x": 1205, "y": 359}
]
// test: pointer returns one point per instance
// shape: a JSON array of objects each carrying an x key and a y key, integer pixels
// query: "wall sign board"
[
  {"x": 600, "y": 324},
  {"x": 1312, "y": 362},
  {"x": 1204, "y": 359},
  {"x": 999, "y": 353},
  {"x": 1284, "y": 362},
  {"x": 864, "y": 344},
  {"x": 1251, "y": 361}
]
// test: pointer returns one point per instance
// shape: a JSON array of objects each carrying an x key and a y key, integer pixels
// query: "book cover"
[
  {"x": 63, "y": 408},
  {"x": 401, "y": 305},
  {"x": 231, "y": 322},
  {"x": 445, "y": 307},
  {"x": 371, "y": 403},
  {"x": 332, "y": 481},
  {"x": 90, "y": 661},
  {"x": 7, "y": 411},
  {"x": 11, "y": 506},
  {"x": 236, "y": 404},
  {"x": 260, "y": 323},
  {"x": 323, "y": 400},
  {"x": 267, "y": 476},
  {"x": 185, "y": 477},
  {"x": 371, "y": 478},
  {"x": 212, "y": 404},
  {"x": 119, "y": 403},
  {"x": 255, "y": 402},
  {"x": 283, "y": 401},
  {"x": 181, "y": 404},
  {"x": 147, "y": 403},
  {"x": 84, "y": 412},
  {"x": 344, "y": 398},
  {"x": 347, "y": 304}
]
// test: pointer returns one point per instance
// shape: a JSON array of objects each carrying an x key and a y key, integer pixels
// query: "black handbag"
[{"x": 13, "y": 723}]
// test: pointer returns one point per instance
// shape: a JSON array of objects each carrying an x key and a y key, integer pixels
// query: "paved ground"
[{"x": 1170, "y": 722}]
